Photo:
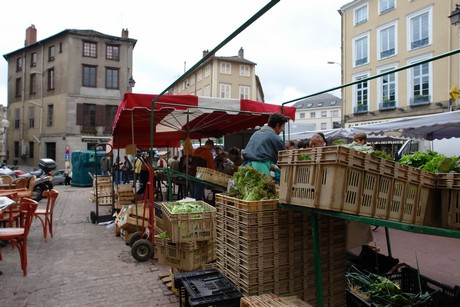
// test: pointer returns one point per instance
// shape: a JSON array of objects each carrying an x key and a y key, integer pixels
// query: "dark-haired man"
[{"x": 262, "y": 149}]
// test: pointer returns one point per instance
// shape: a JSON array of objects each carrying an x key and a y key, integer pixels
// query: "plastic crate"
[
  {"x": 187, "y": 227},
  {"x": 185, "y": 256},
  {"x": 245, "y": 205},
  {"x": 213, "y": 176},
  {"x": 207, "y": 288},
  {"x": 450, "y": 202}
]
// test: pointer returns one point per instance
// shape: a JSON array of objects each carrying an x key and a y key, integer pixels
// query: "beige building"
[
  {"x": 383, "y": 35},
  {"x": 224, "y": 77},
  {"x": 63, "y": 93},
  {"x": 321, "y": 112}
]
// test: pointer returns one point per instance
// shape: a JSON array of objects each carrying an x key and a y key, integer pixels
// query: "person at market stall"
[
  {"x": 303, "y": 143},
  {"x": 202, "y": 157},
  {"x": 234, "y": 154},
  {"x": 317, "y": 141},
  {"x": 143, "y": 176},
  {"x": 217, "y": 160},
  {"x": 126, "y": 169},
  {"x": 117, "y": 170},
  {"x": 290, "y": 145},
  {"x": 261, "y": 152},
  {"x": 161, "y": 161},
  {"x": 226, "y": 165},
  {"x": 137, "y": 168},
  {"x": 175, "y": 165}
]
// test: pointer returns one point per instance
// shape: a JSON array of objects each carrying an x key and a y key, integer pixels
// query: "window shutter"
[
  {"x": 80, "y": 114},
  {"x": 100, "y": 115}
]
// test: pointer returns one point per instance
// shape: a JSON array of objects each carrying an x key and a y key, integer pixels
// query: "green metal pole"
[{"x": 317, "y": 257}]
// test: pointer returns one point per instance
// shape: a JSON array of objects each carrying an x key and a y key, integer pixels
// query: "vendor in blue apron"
[{"x": 262, "y": 149}]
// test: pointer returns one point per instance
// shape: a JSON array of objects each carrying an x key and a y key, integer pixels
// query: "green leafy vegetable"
[
  {"x": 305, "y": 157},
  {"x": 251, "y": 185},
  {"x": 186, "y": 207}
]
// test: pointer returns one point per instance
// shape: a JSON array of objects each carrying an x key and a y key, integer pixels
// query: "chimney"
[
  {"x": 31, "y": 35},
  {"x": 205, "y": 53},
  {"x": 241, "y": 53},
  {"x": 124, "y": 33}
]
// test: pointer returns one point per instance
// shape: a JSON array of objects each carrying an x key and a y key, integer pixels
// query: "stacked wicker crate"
[
  {"x": 263, "y": 249},
  {"x": 191, "y": 242},
  {"x": 341, "y": 179},
  {"x": 449, "y": 188},
  {"x": 124, "y": 195},
  {"x": 102, "y": 187}
]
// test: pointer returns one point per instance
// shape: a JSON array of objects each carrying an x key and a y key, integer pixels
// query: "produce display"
[
  {"x": 432, "y": 161},
  {"x": 251, "y": 185},
  {"x": 186, "y": 207},
  {"x": 381, "y": 291}
]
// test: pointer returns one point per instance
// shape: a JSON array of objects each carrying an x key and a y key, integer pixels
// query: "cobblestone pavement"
[{"x": 83, "y": 265}]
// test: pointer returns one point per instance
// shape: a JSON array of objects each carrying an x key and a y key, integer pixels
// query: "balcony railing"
[
  {"x": 387, "y": 105},
  {"x": 419, "y": 43},
  {"x": 361, "y": 61},
  {"x": 387, "y": 53},
  {"x": 420, "y": 100},
  {"x": 360, "y": 109}
]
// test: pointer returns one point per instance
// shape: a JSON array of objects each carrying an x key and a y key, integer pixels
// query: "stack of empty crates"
[
  {"x": 191, "y": 242},
  {"x": 263, "y": 249},
  {"x": 103, "y": 189},
  {"x": 124, "y": 196}
]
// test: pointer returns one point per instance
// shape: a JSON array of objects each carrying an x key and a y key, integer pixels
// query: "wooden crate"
[
  {"x": 210, "y": 175},
  {"x": 448, "y": 185},
  {"x": 247, "y": 206},
  {"x": 187, "y": 227}
]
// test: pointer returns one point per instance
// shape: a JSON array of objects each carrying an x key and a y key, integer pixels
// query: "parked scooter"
[{"x": 44, "y": 177}]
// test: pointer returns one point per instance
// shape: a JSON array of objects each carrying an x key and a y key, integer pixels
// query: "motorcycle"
[{"x": 44, "y": 177}]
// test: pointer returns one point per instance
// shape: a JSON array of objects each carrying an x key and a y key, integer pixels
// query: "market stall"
[{"x": 177, "y": 117}]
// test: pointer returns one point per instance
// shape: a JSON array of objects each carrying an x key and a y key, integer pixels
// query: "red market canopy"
[{"x": 179, "y": 116}]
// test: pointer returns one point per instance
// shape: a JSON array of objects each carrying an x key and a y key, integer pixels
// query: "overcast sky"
[{"x": 291, "y": 43}]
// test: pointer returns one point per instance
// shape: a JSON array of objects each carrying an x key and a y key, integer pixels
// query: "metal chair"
[
  {"x": 45, "y": 215},
  {"x": 18, "y": 235}
]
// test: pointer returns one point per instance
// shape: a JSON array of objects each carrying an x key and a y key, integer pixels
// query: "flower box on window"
[
  {"x": 361, "y": 108},
  {"x": 420, "y": 100},
  {"x": 387, "y": 104}
]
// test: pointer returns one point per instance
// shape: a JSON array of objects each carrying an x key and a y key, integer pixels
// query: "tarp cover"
[
  {"x": 429, "y": 127},
  {"x": 203, "y": 117}
]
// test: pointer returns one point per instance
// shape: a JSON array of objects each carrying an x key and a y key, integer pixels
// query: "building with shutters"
[{"x": 63, "y": 93}]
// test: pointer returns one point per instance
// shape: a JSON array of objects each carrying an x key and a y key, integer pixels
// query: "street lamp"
[
  {"x": 455, "y": 15},
  {"x": 131, "y": 82},
  {"x": 332, "y": 62}
]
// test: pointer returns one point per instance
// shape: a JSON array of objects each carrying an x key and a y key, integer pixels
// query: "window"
[
  {"x": 225, "y": 68},
  {"x": 192, "y": 80},
  {"x": 17, "y": 118},
  {"x": 199, "y": 92},
  {"x": 333, "y": 103},
  {"x": 361, "y": 50},
  {"x": 323, "y": 126},
  {"x": 90, "y": 49},
  {"x": 207, "y": 71},
  {"x": 89, "y": 117},
  {"x": 89, "y": 76},
  {"x": 387, "y": 40},
  {"x": 386, "y": 5},
  {"x": 51, "y": 53},
  {"x": 420, "y": 29},
  {"x": 225, "y": 90},
  {"x": 244, "y": 92},
  {"x": 51, "y": 79},
  {"x": 387, "y": 90},
  {"x": 110, "y": 112},
  {"x": 31, "y": 117},
  {"x": 31, "y": 149},
  {"x": 245, "y": 71},
  {"x": 199, "y": 76},
  {"x": 111, "y": 76},
  {"x": 420, "y": 84},
  {"x": 18, "y": 87},
  {"x": 33, "y": 84},
  {"x": 113, "y": 52},
  {"x": 361, "y": 95},
  {"x": 323, "y": 114},
  {"x": 312, "y": 114},
  {"x": 320, "y": 104},
  {"x": 16, "y": 149},
  {"x": 335, "y": 113},
  {"x": 309, "y": 105},
  {"x": 33, "y": 59},
  {"x": 302, "y": 115},
  {"x": 49, "y": 116},
  {"x": 207, "y": 91},
  {"x": 18, "y": 64},
  {"x": 361, "y": 15}
]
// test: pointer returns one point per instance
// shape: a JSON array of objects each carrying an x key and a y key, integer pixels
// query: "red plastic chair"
[
  {"x": 45, "y": 215},
  {"x": 18, "y": 235}
]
